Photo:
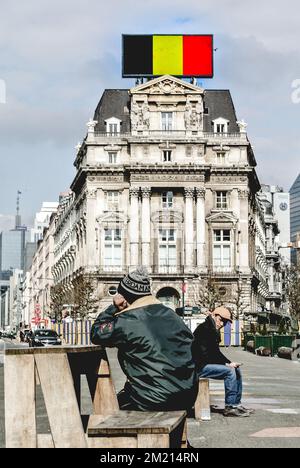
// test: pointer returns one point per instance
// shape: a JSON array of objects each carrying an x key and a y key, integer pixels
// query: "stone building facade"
[{"x": 165, "y": 178}]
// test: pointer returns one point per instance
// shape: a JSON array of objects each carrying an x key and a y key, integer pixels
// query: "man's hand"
[
  {"x": 120, "y": 302},
  {"x": 234, "y": 365}
]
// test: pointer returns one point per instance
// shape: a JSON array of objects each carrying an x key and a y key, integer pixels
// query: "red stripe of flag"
[{"x": 197, "y": 55}]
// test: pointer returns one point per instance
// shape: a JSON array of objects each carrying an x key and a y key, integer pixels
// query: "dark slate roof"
[
  {"x": 116, "y": 103},
  {"x": 113, "y": 103},
  {"x": 219, "y": 104}
]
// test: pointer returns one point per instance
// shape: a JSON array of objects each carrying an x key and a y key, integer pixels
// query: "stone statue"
[
  {"x": 91, "y": 125},
  {"x": 242, "y": 125}
]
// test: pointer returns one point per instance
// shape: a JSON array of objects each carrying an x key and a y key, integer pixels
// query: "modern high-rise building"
[
  {"x": 12, "y": 249},
  {"x": 42, "y": 220},
  {"x": 295, "y": 213},
  {"x": 280, "y": 203}
]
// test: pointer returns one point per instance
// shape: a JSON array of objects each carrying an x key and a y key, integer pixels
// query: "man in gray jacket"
[{"x": 154, "y": 348}]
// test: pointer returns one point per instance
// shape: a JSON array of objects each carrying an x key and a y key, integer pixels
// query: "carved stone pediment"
[
  {"x": 112, "y": 218},
  {"x": 221, "y": 217},
  {"x": 167, "y": 216},
  {"x": 166, "y": 85}
]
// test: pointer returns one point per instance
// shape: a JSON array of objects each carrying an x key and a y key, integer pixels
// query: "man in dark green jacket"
[{"x": 154, "y": 348}]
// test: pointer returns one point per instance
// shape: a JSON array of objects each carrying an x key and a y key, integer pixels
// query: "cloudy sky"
[{"x": 57, "y": 57}]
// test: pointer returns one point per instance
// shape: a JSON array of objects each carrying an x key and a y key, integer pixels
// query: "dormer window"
[
  {"x": 220, "y": 125},
  {"x": 113, "y": 126}
]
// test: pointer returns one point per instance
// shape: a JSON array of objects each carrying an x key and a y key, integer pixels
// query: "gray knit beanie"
[{"x": 135, "y": 285}]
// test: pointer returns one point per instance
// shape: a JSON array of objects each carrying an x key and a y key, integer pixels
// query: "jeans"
[{"x": 232, "y": 381}]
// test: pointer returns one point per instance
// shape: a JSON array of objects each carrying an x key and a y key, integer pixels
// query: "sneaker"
[
  {"x": 231, "y": 412},
  {"x": 246, "y": 410}
]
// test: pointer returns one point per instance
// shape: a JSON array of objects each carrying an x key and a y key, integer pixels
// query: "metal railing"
[
  {"x": 170, "y": 134},
  {"x": 153, "y": 269}
]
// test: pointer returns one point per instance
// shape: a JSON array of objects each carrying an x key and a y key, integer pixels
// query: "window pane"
[
  {"x": 167, "y": 120},
  {"x": 226, "y": 256},
  {"x": 117, "y": 234},
  {"x": 117, "y": 260},
  {"x": 108, "y": 234},
  {"x": 163, "y": 255},
  {"x": 108, "y": 255},
  {"x": 172, "y": 255},
  {"x": 171, "y": 235},
  {"x": 226, "y": 235},
  {"x": 217, "y": 255},
  {"x": 167, "y": 199},
  {"x": 217, "y": 236}
]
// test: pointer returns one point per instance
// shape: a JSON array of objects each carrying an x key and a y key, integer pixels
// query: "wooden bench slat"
[
  {"x": 60, "y": 400},
  {"x": 136, "y": 422},
  {"x": 45, "y": 441},
  {"x": 202, "y": 404},
  {"x": 19, "y": 396},
  {"x": 53, "y": 350}
]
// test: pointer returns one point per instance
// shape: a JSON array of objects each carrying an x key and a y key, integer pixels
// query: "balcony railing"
[
  {"x": 222, "y": 269},
  {"x": 154, "y": 269},
  {"x": 171, "y": 134}
]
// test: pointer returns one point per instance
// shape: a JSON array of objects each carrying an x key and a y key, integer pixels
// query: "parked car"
[
  {"x": 43, "y": 337},
  {"x": 9, "y": 335}
]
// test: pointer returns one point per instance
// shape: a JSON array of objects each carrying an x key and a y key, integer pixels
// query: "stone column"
[
  {"x": 189, "y": 229},
  {"x": 134, "y": 227},
  {"x": 244, "y": 231},
  {"x": 146, "y": 227},
  {"x": 200, "y": 229},
  {"x": 91, "y": 256}
]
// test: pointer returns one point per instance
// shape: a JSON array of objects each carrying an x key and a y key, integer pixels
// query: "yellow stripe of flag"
[{"x": 167, "y": 55}]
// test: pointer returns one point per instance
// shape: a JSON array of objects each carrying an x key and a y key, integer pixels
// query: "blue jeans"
[{"x": 232, "y": 381}]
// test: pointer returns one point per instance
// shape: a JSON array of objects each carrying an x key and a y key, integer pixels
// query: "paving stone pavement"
[{"x": 271, "y": 386}]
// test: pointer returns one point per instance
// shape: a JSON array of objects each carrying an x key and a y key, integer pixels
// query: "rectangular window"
[
  {"x": 221, "y": 158},
  {"x": 222, "y": 201},
  {"x": 167, "y": 251},
  {"x": 167, "y": 156},
  {"x": 112, "y": 199},
  {"x": 220, "y": 128},
  {"x": 167, "y": 199},
  {"x": 167, "y": 121},
  {"x": 222, "y": 250},
  {"x": 112, "y": 128},
  {"x": 112, "y": 249},
  {"x": 112, "y": 158}
]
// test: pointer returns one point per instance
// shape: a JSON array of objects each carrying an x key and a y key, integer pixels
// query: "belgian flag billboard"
[{"x": 178, "y": 55}]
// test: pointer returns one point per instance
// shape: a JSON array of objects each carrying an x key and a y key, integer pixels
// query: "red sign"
[{"x": 37, "y": 314}]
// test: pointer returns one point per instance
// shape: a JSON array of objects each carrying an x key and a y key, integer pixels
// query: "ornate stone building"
[{"x": 165, "y": 178}]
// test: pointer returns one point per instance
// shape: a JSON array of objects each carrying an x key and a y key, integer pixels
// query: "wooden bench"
[
  {"x": 58, "y": 371},
  {"x": 136, "y": 429},
  {"x": 202, "y": 404}
]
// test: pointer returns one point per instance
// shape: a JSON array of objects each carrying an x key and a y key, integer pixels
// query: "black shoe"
[
  {"x": 231, "y": 412},
  {"x": 246, "y": 410}
]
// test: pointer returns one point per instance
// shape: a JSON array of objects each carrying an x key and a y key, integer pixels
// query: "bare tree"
[
  {"x": 238, "y": 302},
  {"x": 293, "y": 291},
  {"x": 59, "y": 298},
  {"x": 208, "y": 295},
  {"x": 84, "y": 300}
]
